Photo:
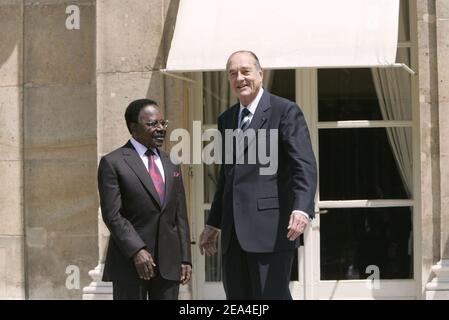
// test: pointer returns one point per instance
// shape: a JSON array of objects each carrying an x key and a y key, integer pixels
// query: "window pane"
[
  {"x": 353, "y": 239},
  {"x": 365, "y": 94},
  {"x": 280, "y": 83},
  {"x": 360, "y": 163},
  {"x": 347, "y": 94}
]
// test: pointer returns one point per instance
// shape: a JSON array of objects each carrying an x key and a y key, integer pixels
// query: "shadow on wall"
[
  {"x": 164, "y": 47},
  {"x": 10, "y": 20}
]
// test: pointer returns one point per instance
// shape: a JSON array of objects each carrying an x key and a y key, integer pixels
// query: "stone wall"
[
  {"x": 48, "y": 148},
  {"x": 12, "y": 276},
  {"x": 60, "y": 127}
]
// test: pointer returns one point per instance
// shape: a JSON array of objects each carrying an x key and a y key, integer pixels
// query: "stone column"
[
  {"x": 438, "y": 288},
  {"x": 426, "y": 246},
  {"x": 12, "y": 274},
  {"x": 130, "y": 49},
  {"x": 59, "y": 148}
]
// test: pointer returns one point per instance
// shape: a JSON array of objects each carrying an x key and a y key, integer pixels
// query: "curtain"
[{"x": 393, "y": 88}]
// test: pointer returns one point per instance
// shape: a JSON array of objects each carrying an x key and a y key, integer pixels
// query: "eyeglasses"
[{"x": 157, "y": 123}]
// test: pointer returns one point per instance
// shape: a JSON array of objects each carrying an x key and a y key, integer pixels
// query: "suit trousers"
[
  {"x": 157, "y": 288},
  {"x": 258, "y": 276}
]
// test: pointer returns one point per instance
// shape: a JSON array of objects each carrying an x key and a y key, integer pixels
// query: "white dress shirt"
[
  {"x": 141, "y": 149},
  {"x": 251, "y": 107}
]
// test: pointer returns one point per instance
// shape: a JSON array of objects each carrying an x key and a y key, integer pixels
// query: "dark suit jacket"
[
  {"x": 132, "y": 212},
  {"x": 260, "y": 205}
]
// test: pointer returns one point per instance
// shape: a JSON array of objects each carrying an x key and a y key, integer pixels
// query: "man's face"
[
  {"x": 148, "y": 130},
  {"x": 244, "y": 77}
]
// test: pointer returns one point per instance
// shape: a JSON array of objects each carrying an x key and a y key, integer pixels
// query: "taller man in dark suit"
[
  {"x": 261, "y": 217},
  {"x": 143, "y": 205}
]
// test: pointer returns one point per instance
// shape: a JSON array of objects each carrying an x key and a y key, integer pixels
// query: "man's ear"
[{"x": 132, "y": 127}]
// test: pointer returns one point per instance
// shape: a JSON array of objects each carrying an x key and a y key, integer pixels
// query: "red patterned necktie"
[{"x": 155, "y": 175}]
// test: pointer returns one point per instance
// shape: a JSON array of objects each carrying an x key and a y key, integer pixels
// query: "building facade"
[{"x": 379, "y": 135}]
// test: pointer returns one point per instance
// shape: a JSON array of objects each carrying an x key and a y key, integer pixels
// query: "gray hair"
[{"x": 256, "y": 59}]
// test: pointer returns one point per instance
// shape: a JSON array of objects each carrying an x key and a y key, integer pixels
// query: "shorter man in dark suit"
[{"x": 143, "y": 205}]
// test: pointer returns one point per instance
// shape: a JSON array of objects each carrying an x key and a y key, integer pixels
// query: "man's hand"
[
  {"x": 208, "y": 241},
  {"x": 144, "y": 264},
  {"x": 186, "y": 273},
  {"x": 296, "y": 226}
]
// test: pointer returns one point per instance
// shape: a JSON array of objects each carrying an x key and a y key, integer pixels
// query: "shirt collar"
[
  {"x": 140, "y": 148},
  {"x": 253, "y": 104}
]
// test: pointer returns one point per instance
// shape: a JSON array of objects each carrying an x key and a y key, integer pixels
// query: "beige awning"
[{"x": 285, "y": 33}]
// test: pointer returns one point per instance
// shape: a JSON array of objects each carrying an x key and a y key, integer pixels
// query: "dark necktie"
[
  {"x": 155, "y": 175},
  {"x": 244, "y": 119}
]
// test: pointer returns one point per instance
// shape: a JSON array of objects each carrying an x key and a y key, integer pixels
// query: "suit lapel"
[
  {"x": 233, "y": 121},
  {"x": 168, "y": 172},
  {"x": 260, "y": 117},
  {"x": 133, "y": 160}
]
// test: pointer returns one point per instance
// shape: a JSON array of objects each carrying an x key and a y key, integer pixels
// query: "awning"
[{"x": 285, "y": 34}]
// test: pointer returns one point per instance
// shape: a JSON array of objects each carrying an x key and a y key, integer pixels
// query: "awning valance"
[{"x": 285, "y": 33}]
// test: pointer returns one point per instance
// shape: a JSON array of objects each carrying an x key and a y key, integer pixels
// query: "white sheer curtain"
[{"x": 393, "y": 88}]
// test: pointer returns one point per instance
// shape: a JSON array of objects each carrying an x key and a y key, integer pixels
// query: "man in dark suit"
[
  {"x": 261, "y": 216},
  {"x": 143, "y": 205}
]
